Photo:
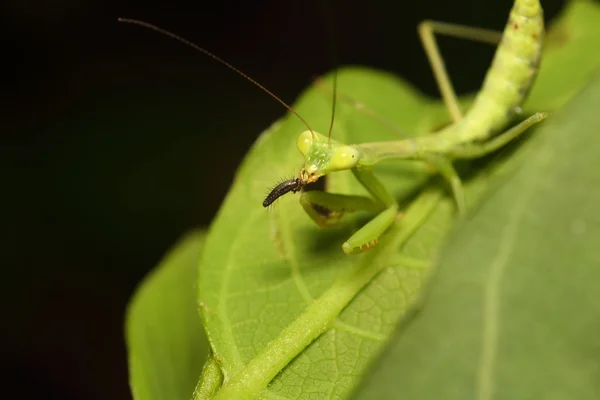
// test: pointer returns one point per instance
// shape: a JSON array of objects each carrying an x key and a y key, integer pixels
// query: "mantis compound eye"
[
  {"x": 344, "y": 157},
  {"x": 304, "y": 142}
]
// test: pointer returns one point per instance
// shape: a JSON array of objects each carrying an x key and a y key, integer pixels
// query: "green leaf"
[
  {"x": 166, "y": 344},
  {"x": 288, "y": 315},
  {"x": 263, "y": 270},
  {"x": 513, "y": 311}
]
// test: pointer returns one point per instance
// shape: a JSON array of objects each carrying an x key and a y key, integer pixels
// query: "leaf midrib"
[{"x": 492, "y": 288}]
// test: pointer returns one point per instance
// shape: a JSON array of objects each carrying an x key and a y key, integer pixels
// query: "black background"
[{"x": 116, "y": 140}]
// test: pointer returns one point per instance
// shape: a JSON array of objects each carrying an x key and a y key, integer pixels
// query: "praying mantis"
[{"x": 472, "y": 135}]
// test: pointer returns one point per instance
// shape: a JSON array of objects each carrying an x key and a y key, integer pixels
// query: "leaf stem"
[{"x": 210, "y": 380}]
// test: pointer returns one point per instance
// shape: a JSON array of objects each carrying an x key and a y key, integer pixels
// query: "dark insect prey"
[{"x": 291, "y": 185}]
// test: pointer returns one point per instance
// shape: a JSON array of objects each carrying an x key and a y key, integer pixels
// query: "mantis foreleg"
[{"x": 327, "y": 208}]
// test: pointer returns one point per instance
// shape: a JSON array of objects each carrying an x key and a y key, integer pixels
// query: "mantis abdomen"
[{"x": 509, "y": 78}]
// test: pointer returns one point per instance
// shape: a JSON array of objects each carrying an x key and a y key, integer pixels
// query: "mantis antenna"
[
  {"x": 332, "y": 50},
  {"x": 214, "y": 57},
  {"x": 333, "y": 103}
]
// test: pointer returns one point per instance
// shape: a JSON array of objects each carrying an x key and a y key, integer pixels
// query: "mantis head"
[{"x": 323, "y": 156}]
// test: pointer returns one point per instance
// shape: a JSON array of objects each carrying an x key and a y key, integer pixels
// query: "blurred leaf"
[
  {"x": 513, "y": 311},
  {"x": 288, "y": 315},
  {"x": 166, "y": 344},
  {"x": 570, "y": 58}
]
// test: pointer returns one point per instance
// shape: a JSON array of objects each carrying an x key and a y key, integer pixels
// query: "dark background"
[{"x": 115, "y": 140}]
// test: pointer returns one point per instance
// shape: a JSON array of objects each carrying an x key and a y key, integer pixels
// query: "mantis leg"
[
  {"x": 447, "y": 170},
  {"x": 427, "y": 30},
  {"x": 327, "y": 208},
  {"x": 445, "y": 167},
  {"x": 368, "y": 236},
  {"x": 477, "y": 150}
]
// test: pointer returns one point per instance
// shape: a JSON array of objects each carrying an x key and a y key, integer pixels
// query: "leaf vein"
[
  {"x": 492, "y": 287},
  {"x": 363, "y": 333},
  {"x": 289, "y": 251}
]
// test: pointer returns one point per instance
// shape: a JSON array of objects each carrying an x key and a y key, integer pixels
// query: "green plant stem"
[{"x": 210, "y": 381}]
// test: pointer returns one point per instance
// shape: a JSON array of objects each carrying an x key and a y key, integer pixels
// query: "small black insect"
[{"x": 291, "y": 185}]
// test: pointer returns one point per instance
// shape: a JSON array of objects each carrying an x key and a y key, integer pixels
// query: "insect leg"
[
  {"x": 476, "y": 150},
  {"x": 368, "y": 236},
  {"x": 427, "y": 30},
  {"x": 447, "y": 170},
  {"x": 326, "y": 209}
]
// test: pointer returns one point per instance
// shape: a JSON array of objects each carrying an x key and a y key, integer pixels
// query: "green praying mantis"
[{"x": 471, "y": 135}]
